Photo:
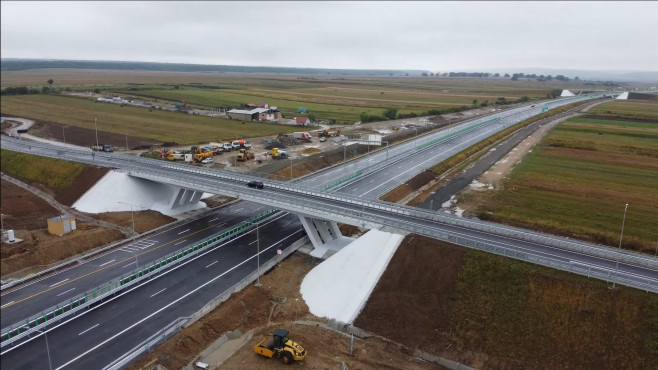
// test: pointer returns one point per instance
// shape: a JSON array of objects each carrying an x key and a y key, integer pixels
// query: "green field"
[
  {"x": 53, "y": 173},
  {"x": 331, "y": 97},
  {"x": 629, "y": 108},
  {"x": 162, "y": 126},
  {"x": 577, "y": 181}
]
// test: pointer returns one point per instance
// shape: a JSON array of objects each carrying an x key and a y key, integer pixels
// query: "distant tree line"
[{"x": 25, "y": 90}]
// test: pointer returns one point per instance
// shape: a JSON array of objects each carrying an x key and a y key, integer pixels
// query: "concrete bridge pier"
[
  {"x": 184, "y": 197},
  {"x": 325, "y": 236}
]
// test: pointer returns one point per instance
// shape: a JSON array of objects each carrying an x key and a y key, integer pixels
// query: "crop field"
[
  {"x": 578, "y": 180},
  {"x": 629, "y": 108},
  {"x": 341, "y": 98},
  {"x": 161, "y": 126}
]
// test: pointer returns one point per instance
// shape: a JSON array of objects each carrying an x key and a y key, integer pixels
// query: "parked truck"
[
  {"x": 279, "y": 154},
  {"x": 102, "y": 148},
  {"x": 302, "y": 136}
]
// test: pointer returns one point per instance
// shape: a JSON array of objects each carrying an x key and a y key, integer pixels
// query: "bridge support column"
[
  {"x": 184, "y": 197},
  {"x": 325, "y": 236}
]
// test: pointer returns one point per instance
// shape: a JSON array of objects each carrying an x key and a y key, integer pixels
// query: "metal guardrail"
[
  {"x": 159, "y": 337},
  {"x": 19, "y": 330},
  {"x": 106, "y": 248}
]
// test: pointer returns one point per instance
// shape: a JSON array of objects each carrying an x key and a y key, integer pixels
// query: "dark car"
[{"x": 255, "y": 184}]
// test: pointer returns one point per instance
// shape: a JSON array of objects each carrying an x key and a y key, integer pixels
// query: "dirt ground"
[
  {"x": 27, "y": 215},
  {"x": 258, "y": 311}
]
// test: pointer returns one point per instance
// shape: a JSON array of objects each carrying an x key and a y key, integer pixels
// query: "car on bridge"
[{"x": 255, "y": 184}]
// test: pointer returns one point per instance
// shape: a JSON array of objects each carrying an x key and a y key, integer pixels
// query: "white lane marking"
[
  {"x": 128, "y": 265},
  {"x": 58, "y": 283},
  {"x": 184, "y": 231},
  {"x": 158, "y": 311},
  {"x": 253, "y": 242},
  {"x": 371, "y": 181},
  {"x": 88, "y": 329},
  {"x": 65, "y": 292},
  {"x": 154, "y": 294},
  {"x": 7, "y": 304},
  {"x": 239, "y": 209},
  {"x": 107, "y": 263},
  {"x": 211, "y": 264},
  {"x": 214, "y": 219},
  {"x": 182, "y": 241}
]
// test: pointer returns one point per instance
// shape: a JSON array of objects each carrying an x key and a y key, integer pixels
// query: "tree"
[
  {"x": 391, "y": 113},
  {"x": 484, "y": 103},
  {"x": 364, "y": 117},
  {"x": 506, "y": 75},
  {"x": 424, "y": 74},
  {"x": 475, "y": 102},
  {"x": 50, "y": 82},
  {"x": 311, "y": 118},
  {"x": 496, "y": 74}
]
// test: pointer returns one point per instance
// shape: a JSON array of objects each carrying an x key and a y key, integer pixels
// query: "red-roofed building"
[
  {"x": 263, "y": 105},
  {"x": 303, "y": 121}
]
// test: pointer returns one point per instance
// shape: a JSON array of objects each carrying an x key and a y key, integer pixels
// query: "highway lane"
[
  {"x": 36, "y": 296},
  {"x": 98, "y": 336}
]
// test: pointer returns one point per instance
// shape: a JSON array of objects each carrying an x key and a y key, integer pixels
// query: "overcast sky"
[{"x": 434, "y": 36}]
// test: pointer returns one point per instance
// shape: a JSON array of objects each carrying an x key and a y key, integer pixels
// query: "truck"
[
  {"x": 199, "y": 153},
  {"x": 302, "y": 136},
  {"x": 102, "y": 148},
  {"x": 245, "y": 144},
  {"x": 227, "y": 147},
  {"x": 236, "y": 145},
  {"x": 180, "y": 105},
  {"x": 278, "y": 345}
]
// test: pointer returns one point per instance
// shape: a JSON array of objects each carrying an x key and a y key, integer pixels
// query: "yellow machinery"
[
  {"x": 278, "y": 345},
  {"x": 279, "y": 154},
  {"x": 244, "y": 155},
  {"x": 332, "y": 132},
  {"x": 198, "y": 154}
]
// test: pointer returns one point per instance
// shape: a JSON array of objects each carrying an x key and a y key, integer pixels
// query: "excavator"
[
  {"x": 331, "y": 132},
  {"x": 199, "y": 153}
]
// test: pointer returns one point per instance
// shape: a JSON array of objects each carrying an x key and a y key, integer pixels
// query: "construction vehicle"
[
  {"x": 279, "y": 153},
  {"x": 302, "y": 136},
  {"x": 102, "y": 148},
  {"x": 278, "y": 345},
  {"x": 244, "y": 155},
  {"x": 199, "y": 153},
  {"x": 331, "y": 132}
]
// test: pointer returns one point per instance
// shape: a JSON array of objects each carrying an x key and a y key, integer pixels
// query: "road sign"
[
  {"x": 544, "y": 109},
  {"x": 279, "y": 251}
]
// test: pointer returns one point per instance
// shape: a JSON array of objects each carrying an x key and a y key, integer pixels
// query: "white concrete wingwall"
[
  {"x": 567, "y": 93},
  {"x": 143, "y": 194},
  {"x": 339, "y": 287},
  {"x": 623, "y": 96}
]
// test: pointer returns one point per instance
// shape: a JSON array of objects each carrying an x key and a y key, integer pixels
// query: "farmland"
[
  {"x": 162, "y": 126},
  {"x": 578, "y": 180},
  {"x": 340, "y": 98}
]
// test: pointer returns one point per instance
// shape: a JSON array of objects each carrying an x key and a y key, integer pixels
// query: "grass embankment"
[
  {"x": 54, "y": 174},
  {"x": 469, "y": 153},
  {"x": 158, "y": 125},
  {"x": 628, "y": 108},
  {"x": 493, "y": 312},
  {"x": 577, "y": 181}
]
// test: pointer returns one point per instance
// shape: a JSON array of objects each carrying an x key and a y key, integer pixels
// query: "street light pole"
[
  {"x": 291, "y": 169},
  {"x": 620, "y": 238},
  {"x": 45, "y": 335},
  {"x": 63, "y": 134},
  {"x": 416, "y": 138},
  {"x": 257, "y": 254},
  {"x": 127, "y": 148},
  {"x": 96, "y": 126},
  {"x": 132, "y": 216}
]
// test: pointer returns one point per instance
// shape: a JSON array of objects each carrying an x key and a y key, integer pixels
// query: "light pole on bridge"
[{"x": 620, "y": 238}]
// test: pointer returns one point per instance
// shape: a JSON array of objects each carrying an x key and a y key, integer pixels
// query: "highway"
[
  {"x": 38, "y": 295},
  {"x": 129, "y": 338},
  {"x": 96, "y": 337}
]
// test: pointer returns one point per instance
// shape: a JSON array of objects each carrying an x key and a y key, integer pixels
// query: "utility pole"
[
  {"x": 63, "y": 134},
  {"x": 96, "y": 126},
  {"x": 257, "y": 255},
  {"x": 127, "y": 148},
  {"x": 620, "y": 238}
]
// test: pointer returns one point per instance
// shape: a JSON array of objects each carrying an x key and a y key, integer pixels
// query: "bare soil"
[{"x": 258, "y": 311}]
